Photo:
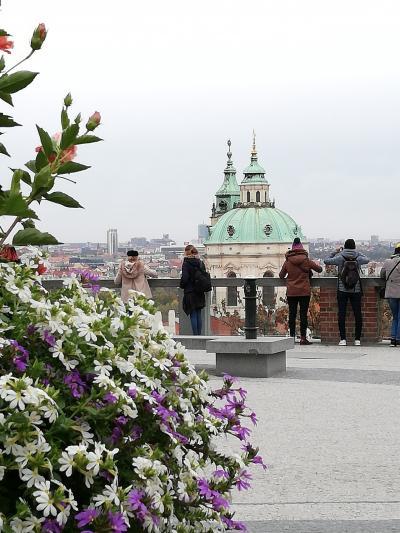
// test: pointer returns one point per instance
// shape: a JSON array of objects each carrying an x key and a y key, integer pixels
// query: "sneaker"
[
  {"x": 357, "y": 343},
  {"x": 343, "y": 342},
  {"x": 304, "y": 341},
  {"x": 393, "y": 343}
]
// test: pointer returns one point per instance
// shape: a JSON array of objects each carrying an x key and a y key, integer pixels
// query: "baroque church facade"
[{"x": 249, "y": 235}]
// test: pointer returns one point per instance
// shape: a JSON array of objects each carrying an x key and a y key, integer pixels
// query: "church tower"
[
  {"x": 228, "y": 195},
  {"x": 254, "y": 189}
]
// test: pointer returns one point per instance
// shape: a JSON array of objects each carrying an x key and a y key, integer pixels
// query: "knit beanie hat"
[
  {"x": 350, "y": 244},
  {"x": 297, "y": 244}
]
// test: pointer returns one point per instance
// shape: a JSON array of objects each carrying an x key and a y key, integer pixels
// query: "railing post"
[{"x": 250, "y": 308}]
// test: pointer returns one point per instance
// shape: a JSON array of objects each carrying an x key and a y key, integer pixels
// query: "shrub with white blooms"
[{"x": 104, "y": 424}]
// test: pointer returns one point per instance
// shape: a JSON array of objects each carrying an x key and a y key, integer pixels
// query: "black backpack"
[
  {"x": 349, "y": 275},
  {"x": 202, "y": 280}
]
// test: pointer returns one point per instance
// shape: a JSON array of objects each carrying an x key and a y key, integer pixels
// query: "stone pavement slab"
[{"x": 329, "y": 429}]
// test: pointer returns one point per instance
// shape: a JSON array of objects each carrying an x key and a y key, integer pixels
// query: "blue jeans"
[
  {"x": 394, "y": 304},
  {"x": 195, "y": 320}
]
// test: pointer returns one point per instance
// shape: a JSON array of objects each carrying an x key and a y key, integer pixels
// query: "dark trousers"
[
  {"x": 195, "y": 320},
  {"x": 293, "y": 302},
  {"x": 355, "y": 300}
]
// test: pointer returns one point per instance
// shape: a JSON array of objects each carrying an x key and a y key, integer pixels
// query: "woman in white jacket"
[
  {"x": 132, "y": 275},
  {"x": 391, "y": 273}
]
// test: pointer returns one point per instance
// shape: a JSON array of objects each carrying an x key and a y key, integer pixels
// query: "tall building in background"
[
  {"x": 202, "y": 232},
  {"x": 374, "y": 240},
  {"x": 112, "y": 241}
]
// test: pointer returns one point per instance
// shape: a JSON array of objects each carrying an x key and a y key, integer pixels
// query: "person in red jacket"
[{"x": 297, "y": 269}]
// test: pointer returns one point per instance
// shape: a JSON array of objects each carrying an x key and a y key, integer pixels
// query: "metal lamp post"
[{"x": 250, "y": 308}]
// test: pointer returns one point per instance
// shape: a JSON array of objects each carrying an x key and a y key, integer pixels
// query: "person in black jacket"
[{"x": 193, "y": 301}]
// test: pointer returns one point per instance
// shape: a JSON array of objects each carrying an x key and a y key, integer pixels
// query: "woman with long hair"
[{"x": 193, "y": 299}]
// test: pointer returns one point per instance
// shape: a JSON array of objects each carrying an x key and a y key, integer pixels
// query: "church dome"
[{"x": 254, "y": 225}]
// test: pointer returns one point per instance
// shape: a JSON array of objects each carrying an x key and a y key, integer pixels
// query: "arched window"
[
  {"x": 258, "y": 199},
  {"x": 248, "y": 196},
  {"x": 268, "y": 296},
  {"x": 231, "y": 292}
]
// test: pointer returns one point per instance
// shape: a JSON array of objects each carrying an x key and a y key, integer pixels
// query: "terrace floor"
[{"x": 329, "y": 431}]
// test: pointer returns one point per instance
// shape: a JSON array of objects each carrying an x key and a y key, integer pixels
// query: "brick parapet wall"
[{"x": 328, "y": 315}]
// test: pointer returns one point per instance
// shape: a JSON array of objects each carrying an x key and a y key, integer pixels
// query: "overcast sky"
[{"x": 318, "y": 80}]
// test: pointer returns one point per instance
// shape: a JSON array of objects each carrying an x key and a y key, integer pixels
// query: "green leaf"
[
  {"x": 41, "y": 161},
  {"x": 70, "y": 167},
  {"x": 41, "y": 182},
  {"x": 6, "y": 97},
  {"x": 18, "y": 80},
  {"x": 2, "y": 63},
  {"x": 16, "y": 183},
  {"x": 15, "y": 206},
  {"x": 85, "y": 139},
  {"x": 46, "y": 141},
  {"x": 7, "y": 122},
  {"x": 25, "y": 177},
  {"x": 64, "y": 119},
  {"x": 27, "y": 236},
  {"x": 62, "y": 199},
  {"x": 3, "y": 150},
  {"x": 28, "y": 223},
  {"x": 31, "y": 165},
  {"x": 3, "y": 33},
  {"x": 69, "y": 136}
]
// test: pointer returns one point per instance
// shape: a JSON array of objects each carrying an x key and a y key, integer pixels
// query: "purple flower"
[
  {"x": 117, "y": 522},
  {"x": 51, "y": 526},
  {"x": 241, "y": 432},
  {"x": 76, "y": 385},
  {"x": 242, "y": 480},
  {"x": 229, "y": 379},
  {"x": 49, "y": 338},
  {"x": 258, "y": 460},
  {"x": 135, "y": 503},
  {"x": 86, "y": 517},
  {"x": 116, "y": 434},
  {"x": 136, "y": 432},
  {"x": 121, "y": 420},
  {"x": 204, "y": 489},
  {"x": 219, "y": 502},
  {"x": 253, "y": 418},
  {"x": 110, "y": 398},
  {"x": 31, "y": 329},
  {"x": 233, "y": 524},
  {"x": 20, "y": 363},
  {"x": 132, "y": 392},
  {"x": 220, "y": 473}
]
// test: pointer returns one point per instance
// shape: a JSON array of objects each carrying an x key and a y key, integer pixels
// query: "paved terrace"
[{"x": 329, "y": 429}]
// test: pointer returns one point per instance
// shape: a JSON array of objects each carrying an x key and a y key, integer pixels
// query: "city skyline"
[{"x": 179, "y": 82}]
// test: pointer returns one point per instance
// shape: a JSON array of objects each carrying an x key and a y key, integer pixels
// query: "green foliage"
[{"x": 33, "y": 236}]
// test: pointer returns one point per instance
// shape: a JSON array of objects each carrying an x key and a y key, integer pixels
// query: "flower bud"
[
  {"x": 93, "y": 121},
  {"x": 38, "y": 37},
  {"x": 68, "y": 100}
]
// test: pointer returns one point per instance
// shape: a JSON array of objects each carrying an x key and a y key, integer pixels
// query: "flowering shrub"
[{"x": 104, "y": 424}]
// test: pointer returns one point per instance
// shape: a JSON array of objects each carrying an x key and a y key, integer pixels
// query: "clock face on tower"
[{"x": 222, "y": 205}]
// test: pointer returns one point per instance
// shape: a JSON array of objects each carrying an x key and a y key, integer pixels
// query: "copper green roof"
[
  {"x": 254, "y": 173},
  {"x": 254, "y": 225}
]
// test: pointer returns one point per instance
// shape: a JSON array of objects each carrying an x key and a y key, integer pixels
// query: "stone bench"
[
  {"x": 194, "y": 342},
  {"x": 253, "y": 358}
]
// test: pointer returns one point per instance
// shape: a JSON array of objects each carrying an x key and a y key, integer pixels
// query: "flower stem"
[
  {"x": 20, "y": 62},
  {"x": 7, "y": 233}
]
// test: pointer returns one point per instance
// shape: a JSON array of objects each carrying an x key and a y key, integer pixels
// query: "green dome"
[{"x": 254, "y": 225}]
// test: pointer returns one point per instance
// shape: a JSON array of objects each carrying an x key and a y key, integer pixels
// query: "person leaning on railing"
[
  {"x": 391, "y": 273},
  {"x": 297, "y": 269}
]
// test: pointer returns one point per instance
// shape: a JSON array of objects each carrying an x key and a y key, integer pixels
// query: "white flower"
[
  {"x": 45, "y": 500},
  {"x": 109, "y": 494},
  {"x": 84, "y": 429},
  {"x": 32, "y": 477},
  {"x": 102, "y": 368},
  {"x": 67, "y": 463},
  {"x": 2, "y": 470},
  {"x": 85, "y": 332},
  {"x": 95, "y": 458}
]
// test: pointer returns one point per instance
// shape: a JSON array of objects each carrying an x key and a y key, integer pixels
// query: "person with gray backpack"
[
  {"x": 348, "y": 261},
  {"x": 390, "y": 272}
]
